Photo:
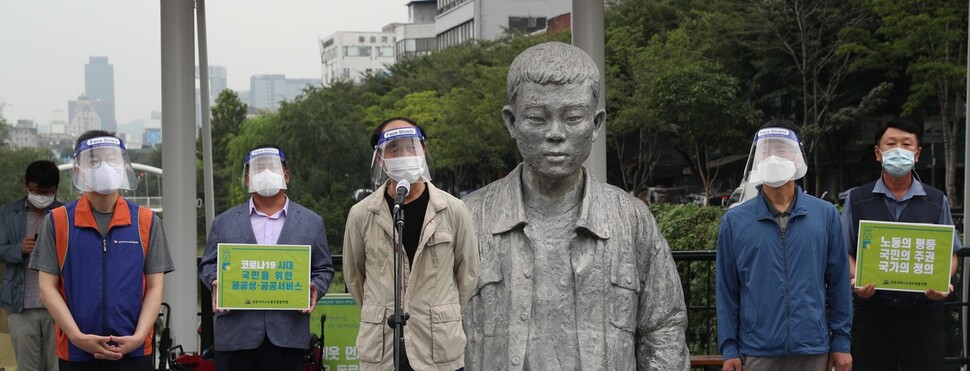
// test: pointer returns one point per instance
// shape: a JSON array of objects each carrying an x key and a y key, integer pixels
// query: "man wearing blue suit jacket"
[{"x": 266, "y": 339}]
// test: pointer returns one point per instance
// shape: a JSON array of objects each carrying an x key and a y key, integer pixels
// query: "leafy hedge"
[{"x": 688, "y": 227}]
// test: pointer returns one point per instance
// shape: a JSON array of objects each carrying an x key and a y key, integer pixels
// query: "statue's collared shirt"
[
  {"x": 629, "y": 308},
  {"x": 545, "y": 262}
]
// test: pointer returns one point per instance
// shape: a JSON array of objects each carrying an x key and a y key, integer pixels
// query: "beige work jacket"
[{"x": 436, "y": 287}]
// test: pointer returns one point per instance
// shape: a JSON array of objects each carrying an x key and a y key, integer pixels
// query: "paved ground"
[{"x": 7, "y": 362}]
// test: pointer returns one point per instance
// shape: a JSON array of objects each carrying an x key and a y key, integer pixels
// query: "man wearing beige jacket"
[{"x": 440, "y": 267}]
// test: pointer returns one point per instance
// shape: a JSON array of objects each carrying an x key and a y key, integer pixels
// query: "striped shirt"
[{"x": 31, "y": 286}]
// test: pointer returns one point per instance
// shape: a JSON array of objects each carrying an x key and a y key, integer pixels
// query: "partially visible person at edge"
[
  {"x": 31, "y": 326},
  {"x": 575, "y": 274},
  {"x": 441, "y": 262},
  {"x": 101, "y": 260},
  {"x": 783, "y": 296},
  {"x": 896, "y": 330},
  {"x": 266, "y": 340}
]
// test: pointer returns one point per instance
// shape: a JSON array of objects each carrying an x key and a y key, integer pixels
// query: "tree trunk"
[
  {"x": 818, "y": 174},
  {"x": 950, "y": 150}
]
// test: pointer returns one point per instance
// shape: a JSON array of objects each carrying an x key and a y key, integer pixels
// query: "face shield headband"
[
  {"x": 400, "y": 154},
  {"x": 777, "y": 157},
  {"x": 101, "y": 165},
  {"x": 265, "y": 171}
]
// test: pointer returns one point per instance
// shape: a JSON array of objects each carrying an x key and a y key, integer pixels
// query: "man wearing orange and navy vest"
[{"x": 101, "y": 260}]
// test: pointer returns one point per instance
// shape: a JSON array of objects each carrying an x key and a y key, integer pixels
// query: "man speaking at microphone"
[{"x": 440, "y": 263}]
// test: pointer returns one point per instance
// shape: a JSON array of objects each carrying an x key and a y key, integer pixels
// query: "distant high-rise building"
[
  {"x": 267, "y": 91},
  {"x": 58, "y": 127},
  {"x": 83, "y": 116},
  {"x": 99, "y": 87},
  {"x": 24, "y": 134},
  {"x": 348, "y": 56},
  {"x": 217, "y": 83},
  {"x": 459, "y": 21},
  {"x": 152, "y": 135}
]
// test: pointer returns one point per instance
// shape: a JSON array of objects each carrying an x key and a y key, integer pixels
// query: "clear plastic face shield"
[
  {"x": 101, "y": 165},
  {"x": 264, "y": 169},
  {"x": 400, "y": 154},
  {"x": 776, "y": 157}
]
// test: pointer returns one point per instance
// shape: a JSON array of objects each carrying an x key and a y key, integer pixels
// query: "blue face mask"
[{"x": 898, "y": 162}]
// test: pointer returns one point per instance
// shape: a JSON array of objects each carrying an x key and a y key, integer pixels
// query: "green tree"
[
  {"x": 326, "y": 137},
  {"x": 4, "y": 128},
  {"x": 457, "y": 95},
  {"x": 467, "y": 140},
  {"x": 259, "y": 130},
  {"x": 694, "y": 228},
  {"x": 688, "y": 98},
  {"x": 228, "y": 115},
  {"x": 475, "y": 144},
  {"x": 13, "y": 162},
  {"x": 630, "y": 25},
  {"x": 805, "y": 49},
  {"x": 927, "y": 42}
]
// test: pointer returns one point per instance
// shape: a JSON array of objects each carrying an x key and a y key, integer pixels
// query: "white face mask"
[
  {"x": 267, "y": 183},
  {"x": 106, "y": 179},
  {"x": 40, "y": 201},
  {"x": 409, "y": 168},
  {"x": 776, "y": 171}
]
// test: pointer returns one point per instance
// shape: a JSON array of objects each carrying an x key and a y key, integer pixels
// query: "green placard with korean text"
[
  {"x": 263, "y": 276},
  {"x": 904, "y": 256},
  {"x": 340, "y": 331}
]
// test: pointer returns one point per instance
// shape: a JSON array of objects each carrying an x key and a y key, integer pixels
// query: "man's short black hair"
[
  {"x": 784, "y": 124},
  {"x": 42, "y": 172},
  {"x": 282, "y": 160},
  {"x": 91, "y": 134},
  {"x": 376, "y": 135},
  {"x": 901, "y": 124}
]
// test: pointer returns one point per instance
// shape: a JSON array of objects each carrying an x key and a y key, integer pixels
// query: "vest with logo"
[
  {"x": 102, "y": 278},
  {"x": 919, "y": 209}
]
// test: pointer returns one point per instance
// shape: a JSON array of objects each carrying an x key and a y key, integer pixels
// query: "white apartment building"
[
  {"x": 348, "y": 56},
  {"x": 24, "y": 134},
  {"x": 459, "y": 21},
  {"x": 418, "y": 36},
  {"x": 84, "y": 116},
  {"x": 58, "y": 127}
]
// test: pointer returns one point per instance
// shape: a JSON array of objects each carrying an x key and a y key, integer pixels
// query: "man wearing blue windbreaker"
[{"x": 783, "y": 296}]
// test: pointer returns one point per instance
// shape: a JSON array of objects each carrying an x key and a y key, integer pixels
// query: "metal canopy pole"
[
  {"x": 178, "y": 159},
  {"x": 964, "y": 289},
  {"x": 210, "y": 206},
  {"x": 589, "y": 35}
]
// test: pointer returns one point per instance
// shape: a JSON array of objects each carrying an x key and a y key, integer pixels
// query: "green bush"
[
  {"x": 688, "y": 227},
  {"x": 691, "y": 227}
]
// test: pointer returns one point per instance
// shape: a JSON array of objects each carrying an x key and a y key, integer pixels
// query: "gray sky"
[{"x": 45, "y": 44}]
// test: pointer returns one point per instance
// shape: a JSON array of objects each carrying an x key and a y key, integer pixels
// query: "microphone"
[{"x": 403, "y": 188}]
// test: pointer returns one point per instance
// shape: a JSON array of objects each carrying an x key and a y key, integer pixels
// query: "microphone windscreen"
[{"x": 403, "y": 187}]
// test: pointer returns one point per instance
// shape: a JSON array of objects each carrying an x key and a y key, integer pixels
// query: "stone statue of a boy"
[{"x": 574, "y": 272}]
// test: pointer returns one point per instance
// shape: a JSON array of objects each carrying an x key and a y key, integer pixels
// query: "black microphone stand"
[{"x": 399, "y": 319}]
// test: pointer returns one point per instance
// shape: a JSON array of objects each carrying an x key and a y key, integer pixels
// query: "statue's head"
[{"x": 553, "y": 89}]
